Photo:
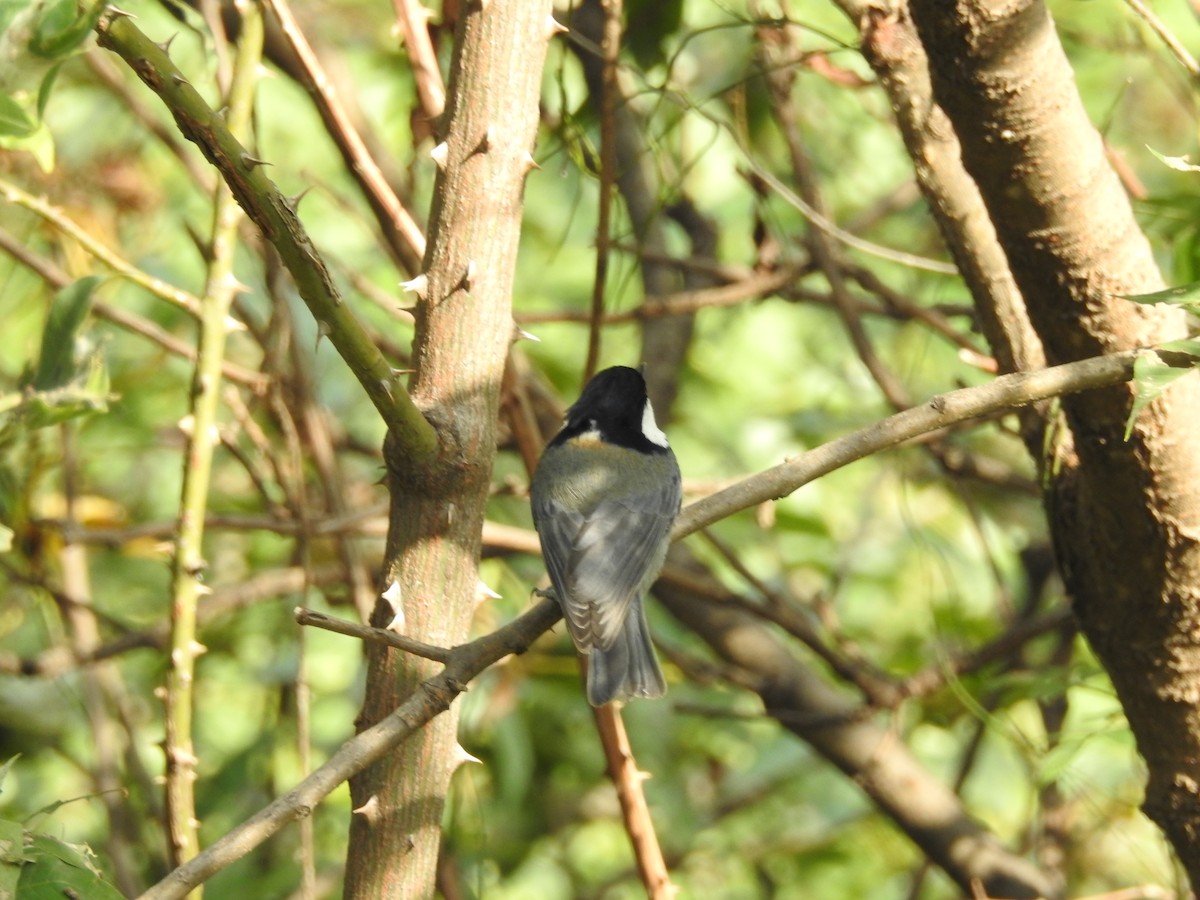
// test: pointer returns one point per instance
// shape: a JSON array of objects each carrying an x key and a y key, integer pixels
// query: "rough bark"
[
  {"x": 1125, "y": 515},
  {"x": 464, "y": 326}
]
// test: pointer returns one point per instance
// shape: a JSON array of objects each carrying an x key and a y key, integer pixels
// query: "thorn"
[
  {"x": 187, "y": 424},
  {"x": 468, "y": 278},
  {"x": 530, "y": 162},
  {"x": 369, "y": 810},
  {"x": 459, "y": 756},
  {"x": 553, "y": 27},
  {"x": 398, "y": 373},
  {"x": 323, "y": 330},
  {"x": 394, "y": 595},
  {"x": 234, "y": 286},
  {"x": 253, "y": 162},
  {"x": 483, "y": 592},
  {"x": 203, "y": 590},
  {"x": 485, "y": 142},
  {"x": 520, "y": 334},
  {"x": 293, "y": 202},
  {"x": 120, "y": 13},
  {"x": 165, "y": 46},
  {"x": 439, "y": 155},
  {"x": 197, "y": 648},
  {"x": 483, "y": 5},
  {"x": 418, "y": 285},
  {"x": 178, "y": 79}
]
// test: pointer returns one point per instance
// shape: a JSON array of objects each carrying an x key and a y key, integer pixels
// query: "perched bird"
[{"x": 605, "y": 495}]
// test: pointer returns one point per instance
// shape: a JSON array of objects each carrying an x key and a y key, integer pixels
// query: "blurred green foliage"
[{"x": 897, "y": 560}]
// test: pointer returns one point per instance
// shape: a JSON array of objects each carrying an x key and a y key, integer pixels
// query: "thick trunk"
[
  {"x": 464, "y": 326},
  {"x": 1125, "y": 515}
]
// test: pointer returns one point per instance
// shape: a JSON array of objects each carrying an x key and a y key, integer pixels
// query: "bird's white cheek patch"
[{"x": 650, "y": 428}]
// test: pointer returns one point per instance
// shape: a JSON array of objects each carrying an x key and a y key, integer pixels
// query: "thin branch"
[
  {"x": 188, "y": 564},
  {"x": 1181, "y": 53},
  {"x": 58, "y": 279},
  {"x": 414, "y": 25},
  {"x": 359, "y": 161},
  {"x": 627, "y": 778},
  {"x": 430, "y": 699},
  {"x": 610, "y": 46},
  {"x": 126, "y": 270},
  {"x": 375, "y": 635},
  {"x": 754, "y": 286},
  {"x": 276, "y": 218},
  {"x": 1006, "y": 392}
]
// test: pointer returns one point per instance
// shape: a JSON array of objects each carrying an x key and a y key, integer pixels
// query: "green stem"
[{"x": 187, "y": 585}]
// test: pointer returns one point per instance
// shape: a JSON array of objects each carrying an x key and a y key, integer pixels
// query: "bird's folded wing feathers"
[{"x": 597, "y": 561}]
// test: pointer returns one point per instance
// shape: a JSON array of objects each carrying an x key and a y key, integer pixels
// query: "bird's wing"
[{"x": 599, "y": 560}]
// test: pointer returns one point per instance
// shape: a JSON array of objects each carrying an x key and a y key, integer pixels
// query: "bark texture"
[
  {"x": 1125, "y": 516},
  {"x": 464, "y": 327}
]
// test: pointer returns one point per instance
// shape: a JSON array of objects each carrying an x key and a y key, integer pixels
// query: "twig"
[
  {"x": 376, "y": 635},
  {"x": 625, "y": 775},
  {"x": 57, "y": 279},
  {"x": 394, "y": 218},
  {"x": 414, "y": 22},
  {"x": 610, "y": 46},
  {"x": 1006, "y": 392},
  {"x": 755, "y": 285},
  {"x": 1180, "y": 52},
  {"x": 430, "y": 699},
  {"x": 126, "y": 270}
]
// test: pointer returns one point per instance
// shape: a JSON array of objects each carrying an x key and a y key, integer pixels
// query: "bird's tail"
[{"x": 629, "y": 667}]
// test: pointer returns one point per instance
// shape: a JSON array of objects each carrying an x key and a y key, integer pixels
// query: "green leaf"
[
  {"x": 1187, "y": 295},
  {"x": 61, "y": 28},
  {"x": 1190, "y": 346},
  {"x": 56, "y": 365},
  {"x": 8, "y": 763},
  {"x": 43, "y": 95},
  {"x": 12, "y": 857},
  {"x": 40, "y": 143},
  {"x": 14, "y": 120},
  {"x": 57, "y": 869},
  {"x": 1151, "y": 376}
]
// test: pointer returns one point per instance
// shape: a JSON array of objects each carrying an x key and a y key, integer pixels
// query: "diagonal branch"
[{"x": 276, "y": 218}]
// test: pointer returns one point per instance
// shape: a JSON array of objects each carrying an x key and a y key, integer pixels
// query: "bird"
[{"x": 604, "y": 496}]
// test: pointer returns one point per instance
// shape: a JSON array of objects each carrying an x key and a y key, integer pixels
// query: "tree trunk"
[
  {"x": 464, "y": 327},
  {"x": 1125, "y": 515}
]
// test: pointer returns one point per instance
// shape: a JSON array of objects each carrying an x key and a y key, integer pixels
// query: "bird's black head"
[{"x": 614, "y": 405}]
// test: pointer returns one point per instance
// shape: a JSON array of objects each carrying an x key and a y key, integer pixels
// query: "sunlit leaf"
[
  {"x": 12, "y": 856},
  {"x": 1186, "y": 295},
  {"x": 56, "y": 364},
  {"x": 1178, "y": 163},
  {"x": 14, "y": 120},
  {"x": 56, "y": 869}
]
